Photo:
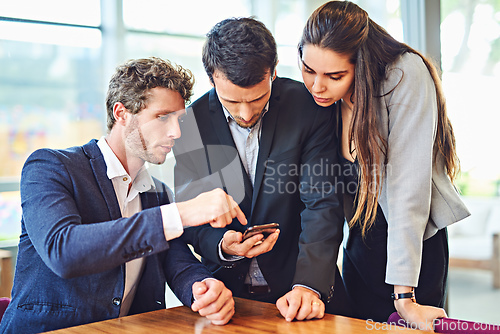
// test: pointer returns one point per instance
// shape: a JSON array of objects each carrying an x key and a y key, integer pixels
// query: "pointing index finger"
[{"x": 240, "y": 215}]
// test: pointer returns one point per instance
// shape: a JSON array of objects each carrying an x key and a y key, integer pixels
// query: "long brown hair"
[{"x": 345, "y": 28}]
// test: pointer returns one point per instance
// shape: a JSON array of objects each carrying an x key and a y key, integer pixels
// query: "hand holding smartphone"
[{"x": 265, "y": 229}]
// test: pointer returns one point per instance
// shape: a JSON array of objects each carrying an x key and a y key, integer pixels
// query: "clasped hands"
[{"x": 213, "y": 301}]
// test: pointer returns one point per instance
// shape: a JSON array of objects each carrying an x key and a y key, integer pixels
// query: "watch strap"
[{"x": 406, "y": 295}]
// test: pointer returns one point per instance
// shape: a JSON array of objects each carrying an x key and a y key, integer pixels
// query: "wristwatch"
[{"x": 410, "y": 295}]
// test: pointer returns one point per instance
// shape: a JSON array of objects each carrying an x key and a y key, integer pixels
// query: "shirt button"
[
  {"x": 117, "y": 301},
  {"x": 250, "y": 135},
  {"x": 125, "y": 178}
]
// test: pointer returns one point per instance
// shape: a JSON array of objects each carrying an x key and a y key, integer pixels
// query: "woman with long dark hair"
[{"x": 397, "y": 150}]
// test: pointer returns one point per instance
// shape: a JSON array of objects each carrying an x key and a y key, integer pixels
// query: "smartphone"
[{"x": 265, "y": 229}]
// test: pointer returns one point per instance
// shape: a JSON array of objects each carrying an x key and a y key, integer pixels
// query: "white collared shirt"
[
  {"x": 247, "y": 141},
  {"x": 130, "y": 203}
]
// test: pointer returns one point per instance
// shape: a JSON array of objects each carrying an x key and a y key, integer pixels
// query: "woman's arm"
[{"x": 412, "y": 124}]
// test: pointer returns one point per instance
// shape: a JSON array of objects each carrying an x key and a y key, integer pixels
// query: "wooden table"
[
  {"x": 6, "y": 274},
  {"x": 250, "y": 317}
]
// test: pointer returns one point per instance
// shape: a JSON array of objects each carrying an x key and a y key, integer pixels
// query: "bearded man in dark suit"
[{"x": 264, "y": 141}]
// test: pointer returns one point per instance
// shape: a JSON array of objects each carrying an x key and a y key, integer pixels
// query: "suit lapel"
[
  {"x": 149, "y": 199},
  {"x": 266, "y": 140},
  {"x": 158, "y": 195},
  {"x": 219, "y": 122},
  {"x": 99, "y": 168}
]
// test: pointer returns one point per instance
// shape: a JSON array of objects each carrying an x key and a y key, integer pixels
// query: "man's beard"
[
  {"x": 247, "y": 125},
  {"x": 139, "y": 145}
]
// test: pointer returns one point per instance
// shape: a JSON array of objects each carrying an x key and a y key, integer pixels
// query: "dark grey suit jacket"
[{"x": 294, "y": 186}]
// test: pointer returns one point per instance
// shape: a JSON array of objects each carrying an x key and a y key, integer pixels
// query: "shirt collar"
[{"x": 143, "y": 181}]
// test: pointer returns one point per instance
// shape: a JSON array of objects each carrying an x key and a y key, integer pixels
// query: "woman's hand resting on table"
[{"x": 418, "y": 316}]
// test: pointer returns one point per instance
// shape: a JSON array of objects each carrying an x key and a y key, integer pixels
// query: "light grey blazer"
[{"x": 417, "y": 197}]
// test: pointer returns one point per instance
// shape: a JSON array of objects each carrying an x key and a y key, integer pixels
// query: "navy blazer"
[
  {"x": 74, "y": 244},
  {"x": 294, "y": 186}
]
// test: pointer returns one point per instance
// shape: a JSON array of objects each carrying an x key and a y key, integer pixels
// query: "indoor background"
[{"x": 56, "y": 57}]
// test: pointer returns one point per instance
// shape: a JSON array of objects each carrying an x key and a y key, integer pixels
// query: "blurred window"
[
  {"x": 193, "y": 17},
  {"x": 386, "y": 13},
  {"x": 50, "y": 87},
  {"x": 74, "y": 12},
  {"x": 56, "y": 59},
  {"x": 470, "y": 44},
  {"x": 291, "y": 16}
]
